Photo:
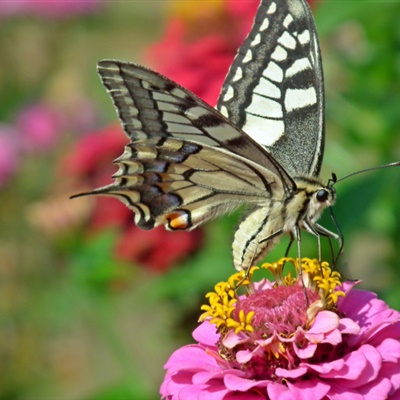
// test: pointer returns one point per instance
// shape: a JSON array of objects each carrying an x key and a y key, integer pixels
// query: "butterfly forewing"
[
  {"x": 151, "y": 105},
  {"x": 274, "y": 89}
]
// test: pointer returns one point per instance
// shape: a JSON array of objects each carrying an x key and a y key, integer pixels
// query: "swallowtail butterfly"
[{"x": 262, "y": 146}]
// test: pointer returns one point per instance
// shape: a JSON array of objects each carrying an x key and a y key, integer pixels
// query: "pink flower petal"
[
  {"x": 293, "y": 373},
  {"x": 203, "y": 377},
  {"x": 191, "y": 357},
  {"x": 327, "y": 367},
  {"x": 378, "y": 332},
  {"x": 334, "y": 337},
  {"x": 362, "y": 366},
  {"x": 347, "y": 325},
  {"x": 174, "y": 384},
  {"x": 203, "y": 392},
  {"x": 264, "y": 284},
  {"x": 305, "y": 352},
  {"x": 243, "y": 356},
  {"x": 360, "y": 304},
  {"x": 233, "y": 382},
  {"x": 389, "y": 350},
  {"x": 392, "y": 372},
  {"x": 342, "y": 392},
  {"x": 309, "y": 389},
  {"x": 353, "y": 367},
  {"x": 325, "y": 321},
  {"x": 206, "y": 334},
  {"x": 278, "y": 391},
  {"x": 379, "y": 389},
  {"x": 232, "y": 339}
]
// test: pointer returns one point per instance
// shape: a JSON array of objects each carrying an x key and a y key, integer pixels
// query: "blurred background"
[{"x": 90, "y": 306}]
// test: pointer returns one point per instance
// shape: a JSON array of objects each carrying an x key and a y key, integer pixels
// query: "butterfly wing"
[
  {"x": 151, "y": 105},
  {"x": 182, "y": 184},
  {"x": 186, "y": 162},
  {"x": 274, "y": 88}
]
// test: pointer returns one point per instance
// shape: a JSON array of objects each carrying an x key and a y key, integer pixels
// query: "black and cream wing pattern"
[
  {"x": 274, "y": 90},
  {"x": 262, "y": 146}
]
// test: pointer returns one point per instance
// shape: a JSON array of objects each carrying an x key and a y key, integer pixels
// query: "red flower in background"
[
  {"x": 198, "y": 48},
  {"x": 90, "y": 163}
]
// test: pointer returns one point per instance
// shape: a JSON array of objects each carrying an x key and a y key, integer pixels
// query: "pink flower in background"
[
  {"x": 273, "y": 344},
  {"x": 40, "y": 126},
  {"x": 10, "y": 152},
  {"x": 48, "y": 8}
]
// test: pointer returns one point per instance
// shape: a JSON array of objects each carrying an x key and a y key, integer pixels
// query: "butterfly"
[{"x": 262, "y": 146}]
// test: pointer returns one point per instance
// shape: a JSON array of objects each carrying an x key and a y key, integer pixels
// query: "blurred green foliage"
[{"x": 76, "y": 323}]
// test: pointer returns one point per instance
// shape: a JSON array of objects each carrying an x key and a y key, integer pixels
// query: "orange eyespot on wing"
[{"x": 179, "y": 220}]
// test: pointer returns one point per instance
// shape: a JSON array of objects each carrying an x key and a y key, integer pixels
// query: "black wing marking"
[
  {"x": 150, "y": 105},
  {"x": 274, "y": 89}
]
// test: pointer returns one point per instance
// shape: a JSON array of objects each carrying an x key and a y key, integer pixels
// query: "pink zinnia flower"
[
  {"x": 306, "y": 338},
  {"x": 40, "y": 126},
  {"x": 48, "y": 8}
]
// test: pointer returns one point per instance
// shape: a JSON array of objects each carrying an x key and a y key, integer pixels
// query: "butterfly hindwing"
[
  {"x": 274, "y": 89},
  {"x": 181, "y": 184}
]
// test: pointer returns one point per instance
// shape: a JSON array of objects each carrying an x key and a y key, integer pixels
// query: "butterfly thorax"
[{"x": 262, "y": 227}]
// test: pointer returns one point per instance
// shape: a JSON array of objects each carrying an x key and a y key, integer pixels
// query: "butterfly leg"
[
  {"x": 296, "y": 234},
  {"x": 331, "y": 235},
  {"x": 312, "y": 229},
  {"x": 290, "y": 244},
  {"x": 318, "y": 231}
]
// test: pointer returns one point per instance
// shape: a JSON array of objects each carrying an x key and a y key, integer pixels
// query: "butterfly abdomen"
[{"x": 262, "y": 225}]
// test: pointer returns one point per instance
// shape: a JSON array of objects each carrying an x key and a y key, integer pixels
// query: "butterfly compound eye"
[{"x": 322, "y": 195}]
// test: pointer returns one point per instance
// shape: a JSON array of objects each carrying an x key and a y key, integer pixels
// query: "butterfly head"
[
  {"x": 315, "y": 196},
  {"x": 323, "y": 197}
]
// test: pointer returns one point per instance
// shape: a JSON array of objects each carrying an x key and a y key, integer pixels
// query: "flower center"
[{"x": 281, "y": 309}]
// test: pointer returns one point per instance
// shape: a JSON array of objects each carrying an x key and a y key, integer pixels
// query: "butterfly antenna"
[{"x": 335, "y": 180}]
